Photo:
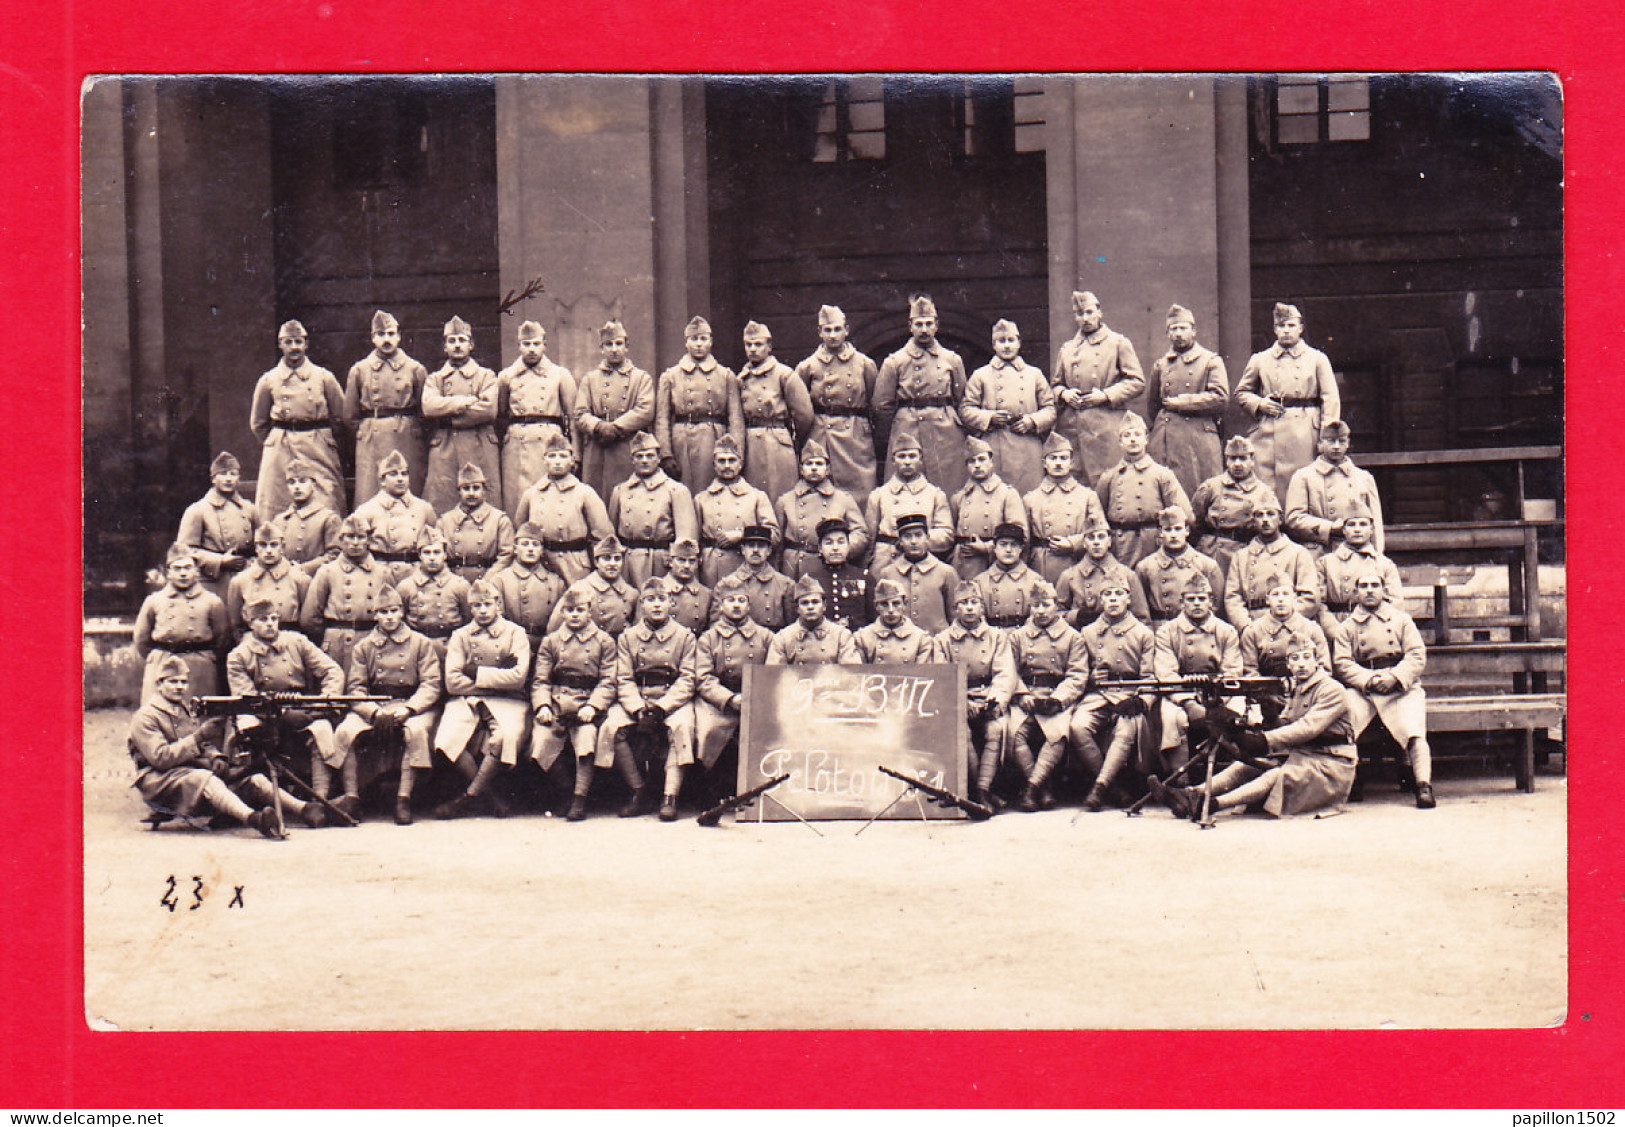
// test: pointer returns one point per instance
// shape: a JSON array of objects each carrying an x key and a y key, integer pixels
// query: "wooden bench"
[{"x": 1517, "y": 712}]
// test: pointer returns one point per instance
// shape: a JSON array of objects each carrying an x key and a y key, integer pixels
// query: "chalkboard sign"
[{"x": 830, "y": 727}]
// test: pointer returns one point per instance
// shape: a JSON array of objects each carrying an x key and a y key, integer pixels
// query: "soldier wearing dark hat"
[
  {"x": 535, "y": 401},
  {"x": 1007, "y": 586},
  {"x": 394, "y": 661},
  {"x": 1134, "y": 491},
  {"x": 268, "y": 576},
  {"x": 840, "y": 382},
  {"x": 920, "y": 388},
  {"x": 310, "y": 529},
  {"x": 772, "y": 601},
  {"x": 929, "y": 582},
  {"x": 812, "y": 639},
  {"x": 479, "y": 536},
  {"x": 1197, "y": 643},
  {"x": 1322, "y": 494},
  {"x": 1081, "y": 584},
  {"x": 1290, "y": 390},
  {"x": 382, "y": 404},
  {"x": 460, "y": 407},
  {"x": 343, "y": 596},
  {"x": 572, "y": 689},
  {"x": 847, "y": 585},
  {"x": 1052, "y": 671},
  {"x": 1010, "y": 405},
  {"x": 725, "y": 508},
  {"x": 1059, "y": 511},
  {"x": 985, "y": 502},
  {"x": 436, "y": 597},
  {"x": 907, "y": 491},
  {"x": 1166, "y": 572},
  {"x": 1187, "y": 395},
  {"x": 1121, "y": 648},
  {"x": 615, "y": 401},
  {"x": 813, "y": 500},
  {"x": 893, "y": 638},
  {"x": 1223, "y": 505},
  {"x": 990, "y": 685},
  {"x": 395, "y": 518},
  {"x": 696, "y": 403},
  {"x": 1097, "y": 375},
  {"x": 613, "y": 600},
  {"x": 219, "y": 528},
  {"x": 183, "y": 620},
  {"x": 567, "y": 512},
  {"x": 777, "y": 412},
  {"x": 529, "y": 591},
  {"x": 733, "y": 641},
  {"x": 650, "y": 511},
  {"x": 295, "y": 406},
  {"x": 1255, "y": 567}
]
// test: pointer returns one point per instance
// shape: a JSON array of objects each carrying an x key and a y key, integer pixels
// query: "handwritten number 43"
[{"x": 171, "y": 901}]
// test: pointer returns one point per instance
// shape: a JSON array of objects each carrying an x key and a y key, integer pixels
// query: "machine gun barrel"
[
  {"x": 941, "y": 797},
  {"x": 1208, "y": 684},
  {"x": 275, "y": 703},
  {"x": 739, "y": 801}
]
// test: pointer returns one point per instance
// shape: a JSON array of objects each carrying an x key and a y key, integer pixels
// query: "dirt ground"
[{"x": 1382, "y": 916}]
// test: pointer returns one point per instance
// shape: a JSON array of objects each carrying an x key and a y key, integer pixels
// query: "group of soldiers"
[{"x": 578, "y": 573}]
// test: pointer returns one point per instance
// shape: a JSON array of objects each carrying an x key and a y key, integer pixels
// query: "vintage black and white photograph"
[{"x": 824, "y": 551}]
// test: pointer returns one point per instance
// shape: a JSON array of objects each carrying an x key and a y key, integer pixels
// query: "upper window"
[
  {"x": 851, "y": 120},
  {"x": 1311, "y": 108}
]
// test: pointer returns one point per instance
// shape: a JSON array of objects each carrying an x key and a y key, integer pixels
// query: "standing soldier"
[
  {"x": 986, "y": 502},
  {"x": 567, "y": 511},
  {"x": 812, "y": 639},
  {"x": 1290, "y": 390},
  {"x": 1323, "y": 494},
  {"x": 1223, "y": 504},
  {"x": 182, "y": 620},
  {"x": 772, "y": 601},
  {"x": 1052, "y": 670},
  {"x": 732, "y": 642},
  {"x": 1165, "y": 573},
  {"x": 573, "y": 687},
  {"x": 813, "y": 500},
  {"x": 310, "y": 529},
  {"x": 395, "y": 518},
  {"x": 1121, "y": 648},
  {"x": 382, "y": 398},
  {"x": 841, "y": 384},
  {"x": 269, "y": 577},
  {"x": 1382, "y": 665},
  {"x": 1189, "y": 391},
  {"x": 219, "y": 528},
  {"x": 847, "y": 585},
  {"x": 294, "y": 408},
  {"x": 434, "y": 596},
  {"x": 907, "y": 492},
  {"x": 1134, "y": 491},
  {"x": 479, "y": 536},
  {"x": 1269, "y": 557},
  {"x": 1007, "y": 587},
  {"x": 1010, "y": 404},
  {"x": 928, "y": 582},
  {"x": 777, "y": 411},
  {"x": 1096, "y": 376},
  {"x": 535, "y": 400},
  {"x": 918, "y": 393},
  {"x": 893, "y": 638},
  {"x": 612, "y": 600},
  {"x": 615, "y": 401},
  {"x": 990, "y": 684},
  {"x": 393, "y": 661},
  {"x": 1197, "y": 643},
  {"x": 691, "y": 599},
  {"x": 655, "y": 671},
  {"x": 1059, "y": 511},
  {"x": 649, "y": 512},
  {"x": 460, "y": 403},
  {"x": 724, "y": 509},
  {"x": 487, "y": 671},
  {"x": 341, "y": 604},
  {"x": 696, "y": 403},
  {"x": 529, "y": 591},
  {"x": 1081, "y": 584}
]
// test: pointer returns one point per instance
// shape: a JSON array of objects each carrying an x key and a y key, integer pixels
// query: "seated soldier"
[
  {"x": 1007, "y": 587},
  {"x": 393, "y": 661},
  {"x": 650, "y": 511},
  {"x": 614, "y": 601},
  {"x": 732, "y": 642},
  {"x": 907, "y": 492},
  {"x": 435, "y": 597},
  {"x": 724, "y": 509},
  {"x": 1060, "y": 511},
  {"x": 573, "y": 687},
  {"x": 809, "y": 504},
  {"x": 985, "y": 503},
  {"x": 1264, "y": 641},
  {"x": 1134, "y": 491},
  {"x": 479, "y": 536},
  {"x": 1269, "y": 554},
  {"x": 182, "y": 620},
  {"x": 273, "y": 660},
  {"x": 567, "y": 512},
  {"x": 268, "y": 576},
  {"x": 310, "y": 527},
  {"x": 529, "y": 591},
  {"x": 486, "y": 719},
  {"x": 1381, "y": 662},
  {"x": 772, "y": 599},
  {"x": 1197, "y": 643},
  {"x": 812, "y": 639},
  {"x": 1165, "y": 573},
  {"x": 990, "y": 684},
  {"x": 220, "y": 528},
  {"x": 1120, "y": 648},
  {"x": 394, "y": 518},
  {"x": 1315, "y": 737},
  {"x": 339, "y": 606},
  {"x": 1052, "y": 670},
  {"x": 690, "y": 600},
  {"x": 847, "y": 585},
  {"x": 928, "y": 583},
  {"x": 1354, "y": 557},
  {"x": 1078, "y": 591},
  {"x": 655, "y": 671},
  {"x": 180, "y": 766},
  {"x": 893, "y": 638}
]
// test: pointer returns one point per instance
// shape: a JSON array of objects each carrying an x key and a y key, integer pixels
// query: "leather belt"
[
  {"x": 886, "y": 537},
  {"x": 396, "y": 557},
  {"x": 655, "y": 677},
  {"x": 925, "y": 401},
  {"x": 1039, "y": 680},
  {"x": 978, "y": 680},
  {"x": 1132, "y": 524},
  {"x": 1338, "y": 607},
  {"x": 556, "y": 420},
  {"x": 768, "y": 421},
  {"x": 395, "y": 692},
  {"x": 733, "y": 682},
  {"x": 389, "y": 412},
  {"x": 570, "y": 679},
  {"x": 301, "y": 424},
  {"x": 436, "y": 630},
  {"x": 1386, "y": 662},
  {"x": 579, "y": 545},
  {"x": 1232, "y": 537},
  {"x": 700, "y": 417},
  {"x": 841, "y": 412},
  {"x": 630, "y": 543},
  {"x": 1299, "y": 401},
  {"x": 350, "y": 623},
  {"x": 184, "y": 647},
  {"x": 1006, "y": 621},
  {"x": 470, "y": 561}
]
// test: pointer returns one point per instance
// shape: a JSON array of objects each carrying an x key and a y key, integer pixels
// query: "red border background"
[{"x": 50, "y": 1059}]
